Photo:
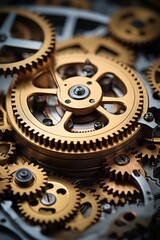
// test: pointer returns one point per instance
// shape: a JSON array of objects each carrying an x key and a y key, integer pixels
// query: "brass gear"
[
  {"x": 121, "y": 165},
  {"x": 60, "y": 201},
  {"x": 4, "y": 126},
  {"x": 99, "y": 46},
  {"x": 136, "y": 25},
  {"x": 153, "y": 76},
  {"x": 4, "y": 180},
  {"x": 61, "y": 138},
  {"x": 7, "y": 152},
  {"x": 81, "y": 222},
  {"x": 27, "y": 179},
  {"x": 121, "y": 189},
  {"x": 42, "y": 44},
  {"x": 147, "y": 150}
]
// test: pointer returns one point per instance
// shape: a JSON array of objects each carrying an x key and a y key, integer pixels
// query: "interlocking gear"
[
  {"x": 153, "y": 76},
  {"x": 27, "y": 179},
  {"x": 121, "y": 165},
  {"x": 60, "y": 201},
  {"x": 83, "y": 220},
  {"x": 136, "y": 25},
  {"x": 147, "y": 150},
  {"x": 99, "y": 46},
  {"x": 7, "y": 152},
  {"x": 4, "y": 126},
  {"x": 33, "y": 51},
  {"x": 4, "y": 180},
  {"x": 68, "y": 118}
]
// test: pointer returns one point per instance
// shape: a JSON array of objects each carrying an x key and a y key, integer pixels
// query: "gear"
[
  {"x": 121, "y": 165},
  {"x": 147, "y": 150},
  {"x": 27, "y": 179},
  {"x": 121, "y": 189},
  {"x": 7, "y": 152},
  {"x": 73, "y": 120},
  {"x": 135, "y": 25},
  {"x": 82, "y": 220},
  {"x": 4, "y": 126},
  {"x": 4, "y": 180},
  {"x": 99, "y": 46},
  {"x": 60, "y": 201},
  {"x": 40, "y": 44},
  {"x": 153, "y": 77}
]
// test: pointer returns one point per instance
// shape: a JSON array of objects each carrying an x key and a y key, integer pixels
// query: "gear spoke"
[
  {"x": 8, "y": 23},
  {"x": 24, "y": 44},
  {"x": 111, "y": 117},
  {"x": 67, "y": 115},
  {"x": 69, "y": 26},
  {"x": 122, "y": 99}
]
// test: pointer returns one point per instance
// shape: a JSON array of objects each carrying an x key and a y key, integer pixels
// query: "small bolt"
[
  {"x": 148, "y": 117},
  {"x": 48, "y": 199},
  {"x": 107, "y": 208},
  {"x": 79, "y": 90},
  {"x": 88, "y": 70},
  {"x": 121, "y": 160},
  {"x": 48, "y": 122},
  {"x": 91, "y": 100},
  {"x": 67, "y": 101},
  {"x": 97, "y": 125},
  {"x": 24, "y": 177}
]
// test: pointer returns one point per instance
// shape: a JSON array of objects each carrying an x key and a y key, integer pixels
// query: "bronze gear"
[
  {"x": 4, "y": 126},
  {"x": 153, "y": 76},
  {"x": 60, "y": 201},
  {"x": 121, "y": 165},
  {"x": 7, "y": 152},
  {"x": 60, "y": 139},
  {"x": 4, "y": 180},
  {"x": 135, "y": 25},
  {"x": 27, "y": 179},
  {"x": 40, "y": 52},
  {"x": 81, "y": 222},
  {"x": 147, "y": 150},
  {"x": 99, "y": 46},
  {"x": 122, "y": 189}
]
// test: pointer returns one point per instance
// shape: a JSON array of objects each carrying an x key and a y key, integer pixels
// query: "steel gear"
[
  {"x": 40, "y": 46},
  {"x": 4, "y": 180},
  {"x": 147, "y": 150},
  {"x": 122, "y": 189},
  {"x": 7, "y": 152},
  {"x": 99, "y": 46},
  {"x": 82, "y": 220},
  {"x": 60, "y": 201},
  {"x": 153, "y": 77},
  {"x": 135, "y": 25},
  {"x": 27, "y": 179},
  {"x": 73, "y": 120},
  {"x": 121, "y": 165}
]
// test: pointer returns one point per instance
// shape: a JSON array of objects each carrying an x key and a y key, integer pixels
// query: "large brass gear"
[
  {"x": 136, "y": 25},
  {"x": 153, "y": 76},
  {"x": 81, "y": 222},
  {"x": 40, "y": 46},
  {"x": 121, "y": 165},
  {"x": 27, "y": 179},
  {"x": 7, "y": 152},
  {"x": 60, "y": 201},
  {"x": 60, "y": 137},
  {"x": 4, "y": 180},
  {"x": 99, "y": 46}
]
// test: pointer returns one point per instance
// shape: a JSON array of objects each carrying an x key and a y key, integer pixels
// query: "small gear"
[
  {"x": 60, "y": 201},
  {"x": 4, "y": 125},
  {"x": 136, "y": 25},
  {"x": 4, "y": 180},
  {"x": 7, "y": 152},
  {"x": 147, "y": 150},
  {"x": 121, "y": 189},
  {"x": 153, "y": 76},
  {"x": 83, "y": 219},
  {"x": 121, "y": 165},
  {"x": 27, "y": 179},
  {"x": 40, "y": 45},
  {"x": 99, "y": 46}
]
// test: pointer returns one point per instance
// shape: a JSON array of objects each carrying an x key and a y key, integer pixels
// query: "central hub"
[{"x": 79, "y": 92}]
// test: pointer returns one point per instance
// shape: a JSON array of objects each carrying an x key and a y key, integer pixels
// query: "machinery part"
[
  {"x": 153, "y": 76},
  {"x": 88, "y": 214},
  {"x": 39, "y": 48},
  {"x": 7, "y": 152},
  {"x": 27, "y": 179},
  {"x": 4, "y": 180},
  {"x": 4, "y": 126},
  {"x": 122, "y": 189},
  {"x": 99, "y": 46},
  {"x": 71, "y": 128},
  {"x": 60, "y": 201},
  {"x": 121, "y": 165},
  {"x": 135, "y": 25}
]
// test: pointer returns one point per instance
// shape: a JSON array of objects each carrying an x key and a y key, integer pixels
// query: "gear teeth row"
[{"x": 152, "y": 77}]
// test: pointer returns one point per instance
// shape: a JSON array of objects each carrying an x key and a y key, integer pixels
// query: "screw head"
[
  {"x": 121, "y": 160},
  {"x": 24, "y": 177},
  {"x": 48, "y": 199},
  {"x": 79, "y": 90},
  {"x": 148, "y": 117},
  {"x": 47, "y": 122},
  {"x": 97, "y": 125}
]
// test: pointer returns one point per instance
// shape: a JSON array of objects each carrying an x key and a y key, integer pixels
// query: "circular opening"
[
  {"x": 129, "y": 216},
  {"x": 61, "y": 191}
]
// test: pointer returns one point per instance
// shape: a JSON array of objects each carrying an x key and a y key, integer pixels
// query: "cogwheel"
[
  {"x": 27, "y": 179},
  {"x": 99, "y": 46},
  {"x": 122, "y": 189},
  {"x": 135, "y": 25},
  {"x": 34, "y": 50},
  {"x": 121, "y": 165},
  {"x": 88, "y": 204},
  {"x": 7, "y": 152},
  {"x": 4, "y": 180},
  {"x": 153, "y": 76},
  {"x": 70, "y": 120},
  {"x": 147, "y": 150},
  {"x": 60, "y": 201},
  {"x": 4, "y": 126}
]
